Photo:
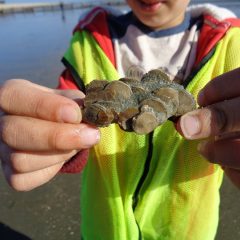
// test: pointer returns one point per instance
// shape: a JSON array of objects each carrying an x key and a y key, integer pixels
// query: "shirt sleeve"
[
  {"x": 66, "y": 81},
  {"x": 77, "y": 162}
]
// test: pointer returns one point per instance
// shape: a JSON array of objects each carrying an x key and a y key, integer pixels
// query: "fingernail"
[
  {"x": 190, "y": 126},
  {"x": 70, "y": 114},
  {"x": 89, "y": 136}
]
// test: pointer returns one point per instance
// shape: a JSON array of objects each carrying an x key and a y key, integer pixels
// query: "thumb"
[{"x": 213, "y": 120}]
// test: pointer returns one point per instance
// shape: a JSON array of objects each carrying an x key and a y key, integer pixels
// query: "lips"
[
  {"x": 150, "y": 5},
  {"x": 150, "y": 2}
]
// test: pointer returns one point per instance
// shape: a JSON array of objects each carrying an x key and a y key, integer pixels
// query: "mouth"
[{"x": 150, "y": 5}]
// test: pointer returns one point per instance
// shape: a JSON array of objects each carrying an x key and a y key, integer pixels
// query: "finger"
[
  {"x": 223, "y": 152},
  {"x": 223, "y": 87},
  {"x": 231, "y": 135},
  {"x": 28, "y": 162},
  {"x": 23, "y": 162},
  {"x": 213, "y": 120},
  {"x": 70, "y": 93},
  {"x": 29, "y": 181},
  {"x": 21, "y": 97},
  {"x": 30, "y": 134},
  {"x": 234, "y": 176}
]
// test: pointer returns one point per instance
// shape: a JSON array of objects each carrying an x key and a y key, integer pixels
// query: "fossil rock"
[{"x": 136, "y": 105}]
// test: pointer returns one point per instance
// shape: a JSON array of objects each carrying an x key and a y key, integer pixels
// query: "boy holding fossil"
[{"x": 153, "y": 186}]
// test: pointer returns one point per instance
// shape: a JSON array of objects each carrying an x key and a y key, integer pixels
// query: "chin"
[{"x": 153, "y": 23}]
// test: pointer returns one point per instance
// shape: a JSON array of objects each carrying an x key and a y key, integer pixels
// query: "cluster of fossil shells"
[{"x": 136, "y": 105}]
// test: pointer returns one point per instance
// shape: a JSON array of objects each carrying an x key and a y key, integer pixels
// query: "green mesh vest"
[{"x": 152, "y": 186}]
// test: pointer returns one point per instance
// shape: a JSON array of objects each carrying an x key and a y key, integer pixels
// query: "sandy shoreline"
[{"x": 32, "y": 7}]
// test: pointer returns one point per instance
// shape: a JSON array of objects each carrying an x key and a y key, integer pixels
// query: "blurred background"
[{"x": 32, "y": 44}]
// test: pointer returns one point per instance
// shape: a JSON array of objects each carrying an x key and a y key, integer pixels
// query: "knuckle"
[
  {"x": 227, "y": 116},
  {"x": 8, "y": 133},
  {"x": 8, "y": 92},
  {"x": 219, "y": 119},
  {"x": 55, "y": 139},
  {"x": 52, "y": 103},
  {"x": 222, "y": 117},
  {"x": 19, "y": 162},
  {"x": 4, "y": 93},
  {"x": 39, "y": 107},
  {"x": 205, "y": 96},
  {"x": 4, "y": 128}
]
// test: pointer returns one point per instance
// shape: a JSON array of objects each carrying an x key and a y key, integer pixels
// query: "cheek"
[
  {"x": 180, "y": 5},
  {"x": 130, "y": 3}
]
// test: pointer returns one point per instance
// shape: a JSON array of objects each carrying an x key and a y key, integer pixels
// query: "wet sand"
[{"x": 47, "y": 213}]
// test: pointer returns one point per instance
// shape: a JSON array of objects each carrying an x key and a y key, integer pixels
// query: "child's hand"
[
  {"x": 40, "y": 130},
  {"x": 219, "y": 122}
]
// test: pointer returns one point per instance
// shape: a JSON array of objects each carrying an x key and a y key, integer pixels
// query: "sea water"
[{"x": 32, "y": 44}]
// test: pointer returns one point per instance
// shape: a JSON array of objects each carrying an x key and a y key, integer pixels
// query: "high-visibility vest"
[{"x": 153, "y": 186}]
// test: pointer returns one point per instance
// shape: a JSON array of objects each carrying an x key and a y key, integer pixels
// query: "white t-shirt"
[{"x": 139, "y": 49}]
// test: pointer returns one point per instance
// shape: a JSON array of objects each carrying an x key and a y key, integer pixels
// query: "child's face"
[{"x": 159, "y": 14}]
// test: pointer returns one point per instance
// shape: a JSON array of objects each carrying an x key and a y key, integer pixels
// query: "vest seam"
[
  {"x": 77, "y": 79},
  {"x": 144, "y": 173},
  {"x": 196, "y": 69}
]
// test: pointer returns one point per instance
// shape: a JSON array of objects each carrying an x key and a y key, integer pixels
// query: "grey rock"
[{"x": 136, "y": 105}]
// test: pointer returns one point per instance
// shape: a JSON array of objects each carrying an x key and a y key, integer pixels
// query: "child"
[{"x": 153, "y": 186}]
